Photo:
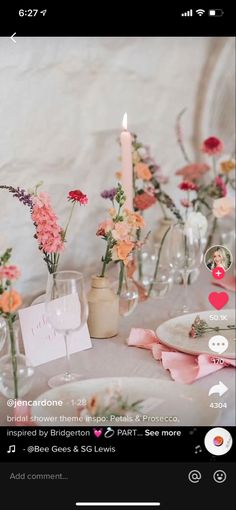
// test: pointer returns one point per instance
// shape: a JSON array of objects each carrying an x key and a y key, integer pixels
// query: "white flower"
[
  {"x": 142, "y": 152},
  {"x": 139, "y": 183},
  {"x": 197, "y": 222},
  {"x": 223, "y": 207}
]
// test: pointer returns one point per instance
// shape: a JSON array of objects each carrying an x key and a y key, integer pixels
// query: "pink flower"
[
  {"x": 48, "y": 233},
  {"x": 223, "y": 207},
  {"x": 104, "y": 227},
  {"x": 121, "y": 231},
  {"x": 212, "y": 146},
  {"x": 185, "y": 203},
  {"x": 193, "y": 172},
  {"x": 41, "y": 199},
  {"x": 9, "y": 272},
  {"x": 188, "y": 186},
  {"x": 219, "y": 182}
]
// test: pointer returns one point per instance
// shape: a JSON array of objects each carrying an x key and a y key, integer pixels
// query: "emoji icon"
[
  {"x": 97, "y": 432},
  {"x": 219, "y": 476},
  {"x": 218, "y": 299},
  {"x": 218, "y": 273},
  {"x": 109, "y": 433},
  {"x": 218, "y": 343}
]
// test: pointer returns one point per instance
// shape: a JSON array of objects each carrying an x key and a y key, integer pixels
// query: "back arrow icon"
[
  {"x": 12, "y": 37},
  {"x": 218, "y": 388}
]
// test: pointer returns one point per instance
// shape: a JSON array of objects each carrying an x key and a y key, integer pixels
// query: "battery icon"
[{"x": 216, "y": 12}]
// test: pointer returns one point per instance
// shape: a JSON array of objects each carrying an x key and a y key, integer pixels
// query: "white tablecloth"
[{"x": 112, "y": 357}]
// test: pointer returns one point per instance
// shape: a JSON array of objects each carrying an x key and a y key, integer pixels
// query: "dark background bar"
[
  {"x": 115, "y": 19},
  {"x": 135, "y": 447}
]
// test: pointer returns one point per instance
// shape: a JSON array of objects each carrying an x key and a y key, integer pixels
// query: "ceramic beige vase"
[{"x": 103, "y": 303}]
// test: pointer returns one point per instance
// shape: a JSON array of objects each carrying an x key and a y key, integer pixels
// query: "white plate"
[
  {"x": 190, "y": 405},
  {"x": 175, "y": 333}
]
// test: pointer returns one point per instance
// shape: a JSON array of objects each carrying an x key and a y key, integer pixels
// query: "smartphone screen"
[{"x": 117, "y": 257}]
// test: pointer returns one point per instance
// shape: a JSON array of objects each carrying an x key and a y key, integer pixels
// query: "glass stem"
[
  {"x": 68, "y": 370},
  {"x": 185, "y": 283}
]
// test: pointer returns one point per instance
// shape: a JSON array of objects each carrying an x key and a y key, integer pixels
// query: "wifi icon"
[{"x": 200, "y": 12}]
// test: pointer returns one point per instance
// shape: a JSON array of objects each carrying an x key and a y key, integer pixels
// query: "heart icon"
[
  {"x": 218, "y": 299},
  {"x": 97, "y": 432}
]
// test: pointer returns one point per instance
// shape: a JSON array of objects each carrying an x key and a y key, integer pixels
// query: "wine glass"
[
  {"x": 67, "y": 311},
  {"x": 185, "y": 254}
]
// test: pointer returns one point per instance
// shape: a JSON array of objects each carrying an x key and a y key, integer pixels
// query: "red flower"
[
  {"x": 188, "y": 186},
  {"x": 101, "y": 232},
  {"x": 221, "y": 186},
  {"x": 143, "y": 201},
  {"x": 78, "y": 196},
  {"x": 212, "y": 146}
]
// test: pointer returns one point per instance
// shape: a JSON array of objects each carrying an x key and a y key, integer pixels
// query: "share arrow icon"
[{"x": 218, "y": 388}]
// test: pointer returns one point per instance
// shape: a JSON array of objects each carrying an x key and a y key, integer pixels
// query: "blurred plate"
[
  {"x": 164, "y": 403},
  {"x": 175, "y": 333}
]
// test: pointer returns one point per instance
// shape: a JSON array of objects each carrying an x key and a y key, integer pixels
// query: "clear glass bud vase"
[{"x": 16, "y": 377}]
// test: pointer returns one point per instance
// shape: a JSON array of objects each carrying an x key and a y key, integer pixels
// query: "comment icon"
[{"x": 218, "y": 344}]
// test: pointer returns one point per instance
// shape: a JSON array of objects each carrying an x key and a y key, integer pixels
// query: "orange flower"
[
  {"x": 227, "y": 166},
  {"x": 124, "y": 248},
  {"x": 134, "y": 219},
  {"x": 193, "y": 172},
  {"x": 143, "y": 171},
  {"x": 10, "y": 301}
]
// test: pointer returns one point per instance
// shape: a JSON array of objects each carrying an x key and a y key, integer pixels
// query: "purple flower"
[
  {"x": 109, "y": 194},
  {"x": 21, "y": 194}
]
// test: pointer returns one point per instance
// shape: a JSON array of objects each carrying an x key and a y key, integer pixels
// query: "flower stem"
[
  {"x": 139, "y": 256},
  {"x": 105, "y": 260},
  {"x": 121, "y": 277},
  {"x": 157, "y": 262},
  {"x": 13, "y": 355},
  {"x": 214, "y": 165},
  {"x": 163, "y": 211},
  {"x": 68, "y": 222},
  {"x": 211, "y": 235}
]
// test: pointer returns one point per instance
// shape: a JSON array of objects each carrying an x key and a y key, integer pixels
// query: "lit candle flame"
[{"x": 125, "y": 121}]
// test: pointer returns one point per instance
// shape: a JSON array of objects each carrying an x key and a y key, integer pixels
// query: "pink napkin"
[
  {"x": 184, "y": 368},
  {"x": 228, "y": 283}
]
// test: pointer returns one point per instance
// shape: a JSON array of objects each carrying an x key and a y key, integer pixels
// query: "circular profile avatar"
[{"x": 218, "y": 256}]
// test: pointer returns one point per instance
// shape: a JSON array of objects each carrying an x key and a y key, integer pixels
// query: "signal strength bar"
[{"x": 187, "y": 13}]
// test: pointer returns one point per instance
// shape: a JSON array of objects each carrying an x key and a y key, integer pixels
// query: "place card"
[{"x": 42, "y": 343}]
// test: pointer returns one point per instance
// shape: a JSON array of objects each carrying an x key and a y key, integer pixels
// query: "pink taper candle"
[{"x": 127, "y": 165}]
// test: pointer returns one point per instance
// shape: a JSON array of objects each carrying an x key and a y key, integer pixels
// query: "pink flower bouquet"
[{"x": 51, "y": 237}]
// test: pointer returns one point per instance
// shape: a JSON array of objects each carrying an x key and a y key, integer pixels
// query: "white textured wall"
[{"x": 61, "y": 106}]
